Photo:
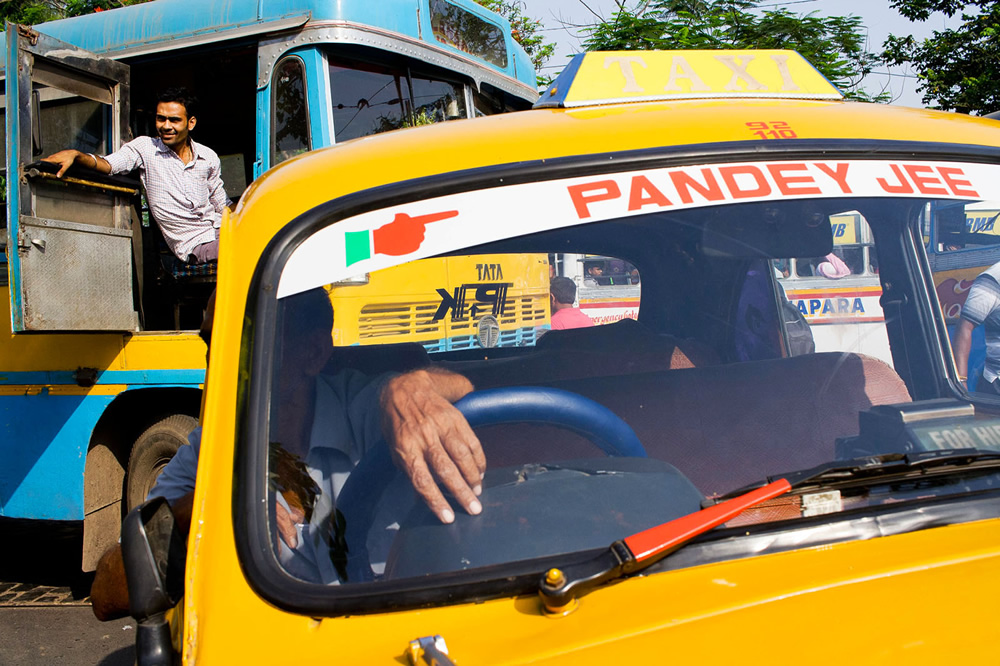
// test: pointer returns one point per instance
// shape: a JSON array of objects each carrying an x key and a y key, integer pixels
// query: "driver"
[{"x": 322, "y": 425}]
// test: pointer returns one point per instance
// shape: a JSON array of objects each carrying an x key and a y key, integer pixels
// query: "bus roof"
[{"x": 166, "y": 24}]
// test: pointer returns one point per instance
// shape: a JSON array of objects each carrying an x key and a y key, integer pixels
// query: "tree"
[
  {"x": 80, "y": 7},
  {"x": 958, "y": 68},
  {"x": 30, "y": 12},
  {"x": 33, "y": 12},
  {"x": 834, "y": 44},
  {"x": 524, "y": 30}
]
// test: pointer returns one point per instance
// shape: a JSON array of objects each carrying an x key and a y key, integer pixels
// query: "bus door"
[{"x": 69, "y": 241}]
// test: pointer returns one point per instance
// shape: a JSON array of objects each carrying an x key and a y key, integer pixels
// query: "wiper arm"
[
  {"x": 876, "y": 467},
  {"x": 559, "y": 588}
]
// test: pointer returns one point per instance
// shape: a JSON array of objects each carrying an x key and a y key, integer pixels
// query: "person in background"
[
  {"x": 981, "y": 308},
  {"x": 594, "y": 275},
  {"x": 562, "y": 295},
  {"x": 182, "y": 178},
  {"x": 832, "y": 267}
]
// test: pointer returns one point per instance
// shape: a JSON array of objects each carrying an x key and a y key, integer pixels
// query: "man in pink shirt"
[{"x": 562, "y": 294}]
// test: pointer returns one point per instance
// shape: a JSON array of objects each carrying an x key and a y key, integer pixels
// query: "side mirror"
[{"x": 153, "y": 551}]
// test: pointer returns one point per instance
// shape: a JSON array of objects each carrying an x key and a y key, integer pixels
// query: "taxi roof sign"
[{"x": 613, "y": 77}]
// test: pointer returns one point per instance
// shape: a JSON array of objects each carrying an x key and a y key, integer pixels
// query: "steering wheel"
[
  {"x": 549, "y": 406},
  {"x": 363, "y": 489}
]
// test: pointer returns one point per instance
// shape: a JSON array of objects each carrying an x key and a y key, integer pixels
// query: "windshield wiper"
[
  {"x": 559, "y": 588},
  {"x": 876, "y": 467}
]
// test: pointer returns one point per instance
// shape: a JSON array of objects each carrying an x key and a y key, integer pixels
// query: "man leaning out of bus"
[
  {"x": 413, "y": 412},
  {"x": 182, "y": 178}
]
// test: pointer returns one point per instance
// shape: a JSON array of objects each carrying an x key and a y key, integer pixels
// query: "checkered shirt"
[
  {"x": 982, "y": 307},
  {"x": 185, "y": 199}
]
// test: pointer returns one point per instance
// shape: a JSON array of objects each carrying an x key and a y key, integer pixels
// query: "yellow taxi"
[{"x": 702, "y": 480}]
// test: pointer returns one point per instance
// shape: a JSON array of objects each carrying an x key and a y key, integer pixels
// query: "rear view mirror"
[
  {"x": 769, "y": 230},
  {"x": 154, "y": 552}
]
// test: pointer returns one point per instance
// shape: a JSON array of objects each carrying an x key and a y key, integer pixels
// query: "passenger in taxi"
[{"x": 323, "y": 424}]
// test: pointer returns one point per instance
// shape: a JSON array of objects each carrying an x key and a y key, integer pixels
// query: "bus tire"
[{"x": 150, "y": 454}]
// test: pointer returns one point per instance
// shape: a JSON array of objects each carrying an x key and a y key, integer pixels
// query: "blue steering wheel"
[
  {"x": 517, "y": 404},
  {"x": 549, "y": 406}
]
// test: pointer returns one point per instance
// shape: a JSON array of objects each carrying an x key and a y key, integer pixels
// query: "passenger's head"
[
  {"x": 563, "y": 290},
  {"x": 175, "y": 116},
  {"x": 306, "y": 334},
  {"x": 595, "y": 269}
]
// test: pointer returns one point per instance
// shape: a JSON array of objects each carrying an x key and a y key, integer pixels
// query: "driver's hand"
[{"x": 431, "y": 441}]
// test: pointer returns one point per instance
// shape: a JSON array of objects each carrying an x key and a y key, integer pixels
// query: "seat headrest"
[{"x": 623, "y": 334}]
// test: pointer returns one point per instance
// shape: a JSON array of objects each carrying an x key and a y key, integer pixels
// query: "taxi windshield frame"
[{"x": 925, "y": 367}]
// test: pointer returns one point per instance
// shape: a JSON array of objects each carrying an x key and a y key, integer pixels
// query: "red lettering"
[
  {"x": 901, "y": 187},
  {"x": 644, "y": 193},
  {"x": 684, "y": 183},
  {"x": 587, "y": 193},
  {"x": 838, "y": 172},
  {"x": 729, "y": 174},
  {"x": 957, "y": 186},
  {"x": 924, "y": 183},
  {"x": 786, "y": 183}
]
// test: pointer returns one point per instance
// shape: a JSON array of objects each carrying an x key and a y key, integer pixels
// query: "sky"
[{"x": 562, "y": 18}]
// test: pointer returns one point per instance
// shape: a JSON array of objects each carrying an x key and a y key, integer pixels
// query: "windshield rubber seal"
[{"x": 250, "y": 515}]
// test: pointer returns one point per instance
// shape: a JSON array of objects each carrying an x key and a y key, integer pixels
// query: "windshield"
[{"x": 749, "y": 347}]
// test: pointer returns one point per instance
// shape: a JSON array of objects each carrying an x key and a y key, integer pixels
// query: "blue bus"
[{"x": 101, "y": 370}]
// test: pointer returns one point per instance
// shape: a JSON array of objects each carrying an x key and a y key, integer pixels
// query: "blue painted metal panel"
[
  {"x": 318, "y": 97},
  {"x": 184, "y": 377},
  {"x": 44, "y": 450},
  {"x": 163, "y": 21}
]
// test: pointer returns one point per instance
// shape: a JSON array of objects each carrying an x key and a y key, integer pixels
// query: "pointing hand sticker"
[{"x": 404, "y": 235}]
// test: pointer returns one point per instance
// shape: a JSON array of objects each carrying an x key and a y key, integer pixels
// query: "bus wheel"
[{"x": 151, "y": 452}]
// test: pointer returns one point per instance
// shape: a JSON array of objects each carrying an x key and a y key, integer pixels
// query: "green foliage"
[
  {"x": 32, "y": 12},
  {"x": 834, "y": 45},
  {"x": 524, "y": 30},
  {"x": 80, "y": 7},
  {"x": 958, "y": 68}
]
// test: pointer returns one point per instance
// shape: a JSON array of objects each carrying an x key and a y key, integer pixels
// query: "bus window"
[
  {"x": 961, "y": 227},
  {"x": 836, "y": 295},
  {"x": 436, "y": 101},
  {"x": 369, "y": 99},
  {"x": 70, "y": 121},
  {"x": 290, "y": 115},
  {"x": 458, "y": 27},
  {"x": 608, "y": 288},
  {"x": 488, "y": 101}
]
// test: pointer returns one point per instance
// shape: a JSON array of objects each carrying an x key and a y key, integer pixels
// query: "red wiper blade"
[{"x": 559, "y": 588}]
